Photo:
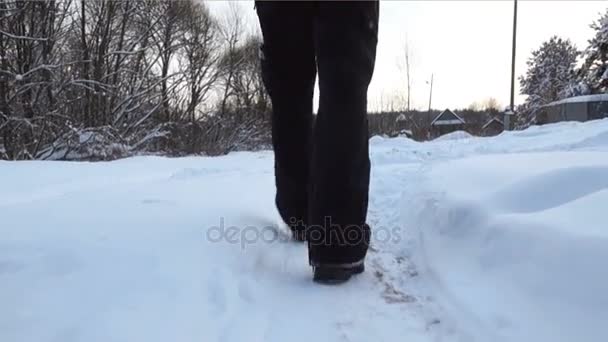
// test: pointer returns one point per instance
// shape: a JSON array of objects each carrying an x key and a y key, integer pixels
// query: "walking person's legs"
[
  {"x": 322, "y": 178},
  {"x": 345, "y": 42},
  {"x": 289, "y": 70}
]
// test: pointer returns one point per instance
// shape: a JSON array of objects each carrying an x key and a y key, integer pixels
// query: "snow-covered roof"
[
  {"x": 447, "y": 122},
  {"x": 450, "y": 119},
  {"x": 581, "y": 99},
  {"x": 491, "y": 121},
  {"x": 401, "y": 117}
]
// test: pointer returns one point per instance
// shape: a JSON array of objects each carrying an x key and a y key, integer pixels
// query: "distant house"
[
  {"x": 493, "y": 127},
  {"x": 401, "y": 122},
  {"x": 447, "y": 122},
  {"x": 578, "y": 108},
  {"x": 401, "y": 125}
]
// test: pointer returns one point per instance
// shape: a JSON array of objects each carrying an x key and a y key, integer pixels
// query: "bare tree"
[
  {"x": 404, "y": 65},
  {"x": 167, "y": 41},
  {"x": 475, "y": 106},
  {"x": 200, "y": 44},
  {"x": 30, "y": 33},
  {"x": 408, "y": 75},
  {"x": 232, "y": 33},
  {"x": 491, "y": 104},
  {"x": 102, "y": 79}
]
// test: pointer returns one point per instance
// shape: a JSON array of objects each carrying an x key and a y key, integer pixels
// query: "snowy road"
[{"x": 487, "y": 239}]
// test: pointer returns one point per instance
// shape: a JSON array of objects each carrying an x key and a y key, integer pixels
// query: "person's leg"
[
  {"x": 345, "y": 38},
  {"x": 289, "y": 70}
]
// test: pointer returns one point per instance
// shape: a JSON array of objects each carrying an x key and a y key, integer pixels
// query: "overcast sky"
[{"x": 465, "y": 44}]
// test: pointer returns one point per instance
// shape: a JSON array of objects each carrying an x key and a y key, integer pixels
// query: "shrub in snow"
[
  {"x": 93, "y": 144},
  {"x": 215, "y": 135},
  {"x": 102, "y": 143}
]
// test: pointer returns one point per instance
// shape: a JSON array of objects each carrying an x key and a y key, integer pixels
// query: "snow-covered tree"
[
  {"x": 594, "y": 71},
  {"x": 549, "y": 76},
  {"x": 550, "y": 71}
]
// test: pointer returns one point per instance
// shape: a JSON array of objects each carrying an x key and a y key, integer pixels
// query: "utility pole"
[
  {"x": 430, "y": 98},
  {"x": 511, "y": 110},
  {"x": 431, "y": 93}
]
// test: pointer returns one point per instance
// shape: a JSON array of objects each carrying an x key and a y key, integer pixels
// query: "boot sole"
[{"x": 334, "y": 275}]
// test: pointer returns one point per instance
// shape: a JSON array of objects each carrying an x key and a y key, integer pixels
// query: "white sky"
[{"x": 465, "y": 44}]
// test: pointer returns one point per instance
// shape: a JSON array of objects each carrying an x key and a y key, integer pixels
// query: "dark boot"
[{"x": 336, "y": 274}]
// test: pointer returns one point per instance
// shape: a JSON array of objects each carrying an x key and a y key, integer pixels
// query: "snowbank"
[
  {"x": 489, "y": 239},
  {"x": 457, "y": 135},
  {"x": 517, "y": 243}
]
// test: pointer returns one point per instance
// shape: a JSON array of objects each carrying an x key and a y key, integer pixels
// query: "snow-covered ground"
[{"x": 476, "y": 239}]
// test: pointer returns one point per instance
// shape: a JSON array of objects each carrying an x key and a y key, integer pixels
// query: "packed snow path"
[{"x": 475, "y": 239}]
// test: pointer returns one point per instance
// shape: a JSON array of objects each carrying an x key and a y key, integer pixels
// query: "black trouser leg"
[
  {"x": 288, "y": 68},
  {"x": 345, "y": 42}
]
